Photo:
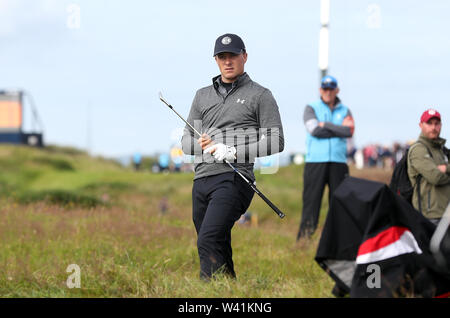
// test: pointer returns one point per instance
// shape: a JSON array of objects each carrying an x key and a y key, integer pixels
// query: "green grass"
[{"x": 60, "y": 207}]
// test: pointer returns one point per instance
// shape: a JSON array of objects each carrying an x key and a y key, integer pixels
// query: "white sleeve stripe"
[{"x": 311, "y": 125}]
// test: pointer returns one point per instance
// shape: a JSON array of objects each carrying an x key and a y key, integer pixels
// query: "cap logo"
[
  {"x": 226, "y": 40},
  {"x": 431, "y": 112}
]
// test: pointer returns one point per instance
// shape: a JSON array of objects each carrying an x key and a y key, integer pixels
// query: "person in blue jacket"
[{"x": 328, "y": 123}]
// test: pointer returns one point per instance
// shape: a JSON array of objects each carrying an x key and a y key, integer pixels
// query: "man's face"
[
  {"x": 231, "y": 65},
  {"x": 432, "y": 128},
  {"x": 329, "y": 95}
]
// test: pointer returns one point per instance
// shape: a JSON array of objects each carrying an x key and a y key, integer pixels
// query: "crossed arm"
[
  {"x": 327, "y": 129},
  {"x": 420, "y": 160}
]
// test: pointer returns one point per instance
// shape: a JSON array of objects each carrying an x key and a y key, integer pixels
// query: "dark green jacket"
[{"x": 434, "y": 185}]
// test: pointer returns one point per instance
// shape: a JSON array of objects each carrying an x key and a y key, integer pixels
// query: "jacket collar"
[
  {"x": 243, "y": 78},
  {"x": 436, "y": 143},
  {"x": 337, "y": 102}
]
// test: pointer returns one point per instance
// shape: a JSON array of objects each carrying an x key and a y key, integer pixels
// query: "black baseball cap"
[{"x": 229, "y": 43}]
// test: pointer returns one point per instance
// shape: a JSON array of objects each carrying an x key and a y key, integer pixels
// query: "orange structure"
[{"x": 11, "y": 120}]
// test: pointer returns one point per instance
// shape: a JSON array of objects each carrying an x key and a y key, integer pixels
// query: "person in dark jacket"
[
  {"x": 328, "y": 123},
  {"x": 239, "y": 121}
]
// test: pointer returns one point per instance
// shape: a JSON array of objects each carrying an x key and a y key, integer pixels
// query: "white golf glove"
[{"x": 223, "y": 152}]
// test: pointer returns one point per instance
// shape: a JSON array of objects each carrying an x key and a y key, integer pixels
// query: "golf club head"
[{"x": 162, "y": 99}]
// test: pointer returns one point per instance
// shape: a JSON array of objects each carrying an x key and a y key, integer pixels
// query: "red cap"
[{"x": 428, "y": 114}]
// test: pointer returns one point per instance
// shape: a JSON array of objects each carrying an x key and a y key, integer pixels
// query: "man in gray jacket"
[
  {"x": 429, "y": 168},
  {"x": 239, "y": 121}
]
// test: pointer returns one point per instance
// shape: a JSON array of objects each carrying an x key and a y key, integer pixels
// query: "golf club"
[
  {"x": 277, "y": 211},
  {"x": 438, "y": 236}
]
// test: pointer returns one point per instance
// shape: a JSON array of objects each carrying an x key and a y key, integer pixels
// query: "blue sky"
[{"x": 96, "y": 84}]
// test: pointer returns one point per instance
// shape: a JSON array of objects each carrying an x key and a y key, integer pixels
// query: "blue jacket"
[{"x": 332, "y": 149}]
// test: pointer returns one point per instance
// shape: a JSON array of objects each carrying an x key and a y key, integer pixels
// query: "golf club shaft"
[{"x": 254, "y": 188}]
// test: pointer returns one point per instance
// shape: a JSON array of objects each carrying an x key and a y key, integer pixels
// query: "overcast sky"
[{"x": 95, "y": 67}]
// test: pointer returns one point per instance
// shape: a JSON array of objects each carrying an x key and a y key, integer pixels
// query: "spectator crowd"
[{"x": 377, "y": 155}]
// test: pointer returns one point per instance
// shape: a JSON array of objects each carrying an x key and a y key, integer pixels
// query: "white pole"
[
  {"x": 89, "y": 129},
  {"x": 324, "y": 37}
]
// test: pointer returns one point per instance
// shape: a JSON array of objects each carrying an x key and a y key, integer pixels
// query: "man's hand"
[
  {"x": 349, "y": 122},
  {"x": 221, "y": 152},
  {"x": 204, "y": 141},
  {"x": 442, "y": 168}
]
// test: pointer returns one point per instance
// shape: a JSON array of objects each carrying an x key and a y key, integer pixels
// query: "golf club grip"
[{"x": 277, "y": 210}]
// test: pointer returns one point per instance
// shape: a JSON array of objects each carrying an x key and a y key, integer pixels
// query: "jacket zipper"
[{"x": 329, "y": 140}]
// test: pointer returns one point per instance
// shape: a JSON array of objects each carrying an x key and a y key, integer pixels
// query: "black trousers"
[
  {"x": 315, "y": 177},
  {"x": 217, "y": 203}
]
